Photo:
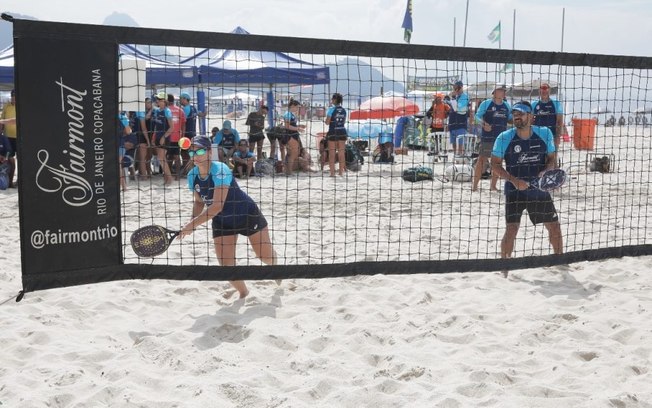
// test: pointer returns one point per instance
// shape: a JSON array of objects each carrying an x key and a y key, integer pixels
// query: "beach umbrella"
[{"x": 385, "y": 107}]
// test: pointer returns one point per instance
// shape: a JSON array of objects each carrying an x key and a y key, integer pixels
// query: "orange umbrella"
[{"x": 385, "y": 107}]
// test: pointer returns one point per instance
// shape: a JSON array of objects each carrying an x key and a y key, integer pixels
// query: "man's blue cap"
[
  {"x": 185, "y": 95},
  {"x": 458, "y": 83},
  {"x": 521, "y": 107}
]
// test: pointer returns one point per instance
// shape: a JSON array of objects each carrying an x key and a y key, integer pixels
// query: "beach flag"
[
  {"x": 507, "y": 67},
  {"x": 407, "y": 22},
  {"x": 494, "y": 35}
]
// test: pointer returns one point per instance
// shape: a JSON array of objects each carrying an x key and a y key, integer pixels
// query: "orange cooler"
[{"x": 584, "y": 133}]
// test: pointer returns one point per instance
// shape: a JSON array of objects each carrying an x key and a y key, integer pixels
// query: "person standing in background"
[
  {"x": 293, "y": 138},
  {"x": 161, "y": 120},
  {"x": 493, "y": 114},
  {"x": 190, "y": 129},
  {"x": 256, "y": 123},
  {"x": 458, "y": 116},
  {"x": 438, "y": 113},
  {"x": 336, "y": 136},
  {"x": 9, "y": 129},
  {"x": 144, "y": 152},
  {"x": 548, "y": 112},
  {"x": 178, "y": 126}
]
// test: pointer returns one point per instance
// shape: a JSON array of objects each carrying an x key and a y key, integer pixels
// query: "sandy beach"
[{"x": 571, "y": 336}]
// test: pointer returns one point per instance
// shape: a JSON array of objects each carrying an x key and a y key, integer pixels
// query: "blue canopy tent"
[
  {"x": 258, "y": 68},
  {"x": 158, "y": 72}
]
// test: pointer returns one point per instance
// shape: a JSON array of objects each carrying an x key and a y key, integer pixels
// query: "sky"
[{"x": 591, "y": 26}]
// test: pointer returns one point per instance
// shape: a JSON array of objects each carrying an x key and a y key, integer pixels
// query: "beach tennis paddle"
[
  {"x": 550, "y": 180},
  {"x": 152, "y": 240}
]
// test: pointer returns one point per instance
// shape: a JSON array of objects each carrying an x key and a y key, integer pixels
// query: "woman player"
[{"x": 219, "y": 198}]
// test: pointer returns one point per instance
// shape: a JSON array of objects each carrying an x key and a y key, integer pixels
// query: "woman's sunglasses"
[{"x": 198, "y": 152}]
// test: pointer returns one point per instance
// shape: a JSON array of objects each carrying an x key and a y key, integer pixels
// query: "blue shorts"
[{"x": 454, "y": 133}]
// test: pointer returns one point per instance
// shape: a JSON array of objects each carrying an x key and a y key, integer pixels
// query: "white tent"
[
  {"x": 243, "y": 96},
  {"x": 530, "y": 89},
  {"x": 480, "y": 90}
]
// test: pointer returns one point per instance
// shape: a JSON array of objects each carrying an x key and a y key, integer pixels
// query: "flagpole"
[
  {"x": 500, "y": 41},
  {"x": 466, "y": 20},
  {"x": 563, "y": 18},
  {"x": 513, "y": 45}
]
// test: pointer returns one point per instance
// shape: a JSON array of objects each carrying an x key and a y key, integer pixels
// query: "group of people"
[
  {"x": 494, "y": 115},
  {"x": 519, "y": 154},
  {"x": 285, "y": 140},
  {"x": 155, "y": 132}
]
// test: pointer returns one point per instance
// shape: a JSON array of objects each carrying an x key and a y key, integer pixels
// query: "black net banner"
[
  {"x": 368, "y": 220},
  {"x": 69, "y": 198}
]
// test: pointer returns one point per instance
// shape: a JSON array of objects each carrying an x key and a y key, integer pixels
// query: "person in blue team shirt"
[
  {"x": 493, "y": 114},
  {"x": 126, "y": 146},
  {"x": 227, "y": 138},
  {"x": 527, "y": 151},
  {"x": 548, "y": 112},
  {"x": 292, "y": 139},
  {"x": 190, "y": 129},
  {"x": 336, "y": 136},
  {"x": 219, "y": 199},
  {"x": 161, "y": 122},
  {"x": 143, "y": 126},
  {"x": 243, "y": 160},
  {"x": 458, "y": 116}
]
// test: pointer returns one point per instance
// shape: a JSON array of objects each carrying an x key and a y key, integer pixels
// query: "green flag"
[
  {"x": 494, "y": 35},
  {"x": 507, "y": 67}
]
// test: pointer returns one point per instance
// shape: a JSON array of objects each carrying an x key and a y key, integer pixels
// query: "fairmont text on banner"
[{"x": 69, "y": 198}]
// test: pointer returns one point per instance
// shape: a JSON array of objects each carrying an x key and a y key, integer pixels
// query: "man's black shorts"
[
  {"x": 256, "y": 137},
  {"x": 538, "y": 204}
]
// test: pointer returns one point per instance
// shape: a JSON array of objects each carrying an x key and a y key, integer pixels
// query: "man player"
[{"x": 528, "y": 151}]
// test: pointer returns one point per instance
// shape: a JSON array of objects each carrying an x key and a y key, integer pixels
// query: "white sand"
[{"x": 578, "y": 336}]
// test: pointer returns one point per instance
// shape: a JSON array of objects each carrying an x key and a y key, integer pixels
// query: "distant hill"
[
  {"x": 353, "y": 77},
  {"x": 7, "y": 29},
  {"x": 120, "y": 19},
  {"x": 356, "y": 80}
]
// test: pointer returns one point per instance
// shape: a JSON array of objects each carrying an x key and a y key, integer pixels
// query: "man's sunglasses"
[{"x": 198, "y": 152}]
